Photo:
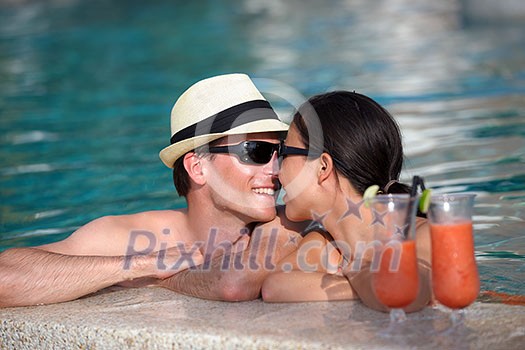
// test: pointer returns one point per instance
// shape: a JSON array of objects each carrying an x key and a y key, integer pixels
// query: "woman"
[{"x": 338, "y": 145}]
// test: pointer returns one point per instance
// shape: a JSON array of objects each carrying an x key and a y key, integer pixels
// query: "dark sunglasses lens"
[{"x": 260, "y": 152}]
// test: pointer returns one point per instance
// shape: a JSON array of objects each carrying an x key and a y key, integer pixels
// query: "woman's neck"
[{"x": 348, "y": 220}]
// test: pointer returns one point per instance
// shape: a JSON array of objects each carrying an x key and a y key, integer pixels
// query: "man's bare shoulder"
[
  {"x": 150, "y": 220},
  {"x": 154, "y": 221},
  {"x": 112, "y": 234}
]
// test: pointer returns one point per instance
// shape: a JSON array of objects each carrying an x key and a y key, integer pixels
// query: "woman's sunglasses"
[{"x": 259, "y": 152}]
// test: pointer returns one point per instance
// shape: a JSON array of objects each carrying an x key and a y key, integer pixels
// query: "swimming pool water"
[{"x": 86, "y": 88}]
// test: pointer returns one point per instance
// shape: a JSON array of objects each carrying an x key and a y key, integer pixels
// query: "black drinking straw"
[
  {"x": 422, "y": 184},
  {"x": 415, "y": 184},
  {"x": 416, "y": 181}
]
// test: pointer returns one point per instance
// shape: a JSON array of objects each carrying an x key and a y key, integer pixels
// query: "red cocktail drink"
[
  {"x": 455, "y": 277},
  {"x": 395, "y": 278},
  {"x": 397, "y": 287}
]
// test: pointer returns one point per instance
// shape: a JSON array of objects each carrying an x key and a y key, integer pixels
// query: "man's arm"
[
  {"x": 30, "y": 276},
  {"x": 89, "y": 260},
  {"x": 243, "y": 276}
]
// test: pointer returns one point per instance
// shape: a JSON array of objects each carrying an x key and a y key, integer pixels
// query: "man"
[{"x": 223, "y": 150}]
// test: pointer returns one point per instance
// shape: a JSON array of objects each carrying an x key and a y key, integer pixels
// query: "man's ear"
[
  {"x": 193, "y": 166},
  {"x": 326, "y": 166}
]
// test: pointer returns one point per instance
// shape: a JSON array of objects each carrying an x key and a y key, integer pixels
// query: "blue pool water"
[{"x": 86, "y": 88}]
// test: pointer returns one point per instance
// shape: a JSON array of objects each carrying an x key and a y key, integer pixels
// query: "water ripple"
[
  {"x": 36, "y": 168},
  {"x": 33, "y": 136},
  {"x": 43, "y": 232},
  {"x": 496, "y": 255}
]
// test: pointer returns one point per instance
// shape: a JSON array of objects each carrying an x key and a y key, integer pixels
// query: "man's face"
[{"x": 247, "y": 190}]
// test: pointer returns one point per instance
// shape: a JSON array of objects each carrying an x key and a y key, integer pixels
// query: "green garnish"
[
  {"x": 370, "y": 193},
  {"x": 424, "y": 201}
]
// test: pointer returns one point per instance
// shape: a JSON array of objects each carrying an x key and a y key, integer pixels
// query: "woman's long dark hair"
[{"x": 361, "y": 136}]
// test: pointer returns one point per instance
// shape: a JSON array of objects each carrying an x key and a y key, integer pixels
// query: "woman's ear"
[
  {"x": 193, "y": 166},
  {"x": 326, "y": 166}
]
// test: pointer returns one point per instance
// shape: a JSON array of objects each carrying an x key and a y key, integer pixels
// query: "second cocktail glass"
[{"x": 455, "y": 279}]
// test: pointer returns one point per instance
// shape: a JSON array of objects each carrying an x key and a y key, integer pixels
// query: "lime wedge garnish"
[
  {"x": 370, "y": 192},
  {"x": 424, "y": 201}
]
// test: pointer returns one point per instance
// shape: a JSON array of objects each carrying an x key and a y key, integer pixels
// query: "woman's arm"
[
  {"x": 303, "y": 275},
  {"x": 308, "y": 279},
  {"x": 297, "y": 286},
  {"x": 361, "y": 280}
]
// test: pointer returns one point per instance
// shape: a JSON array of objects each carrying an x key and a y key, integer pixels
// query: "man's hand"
[
  {"x": 239, "y": 274},
  {"x": 166, "y": 263}
]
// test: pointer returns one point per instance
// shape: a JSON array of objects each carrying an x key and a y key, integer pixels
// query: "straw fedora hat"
[{"x": 216, "y": 107}]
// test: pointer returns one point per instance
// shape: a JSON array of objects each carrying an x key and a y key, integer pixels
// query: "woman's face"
[{"x": 298, "y": 175}]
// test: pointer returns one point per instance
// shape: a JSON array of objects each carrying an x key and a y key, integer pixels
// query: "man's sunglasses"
[{"x": 259, "y": 152}]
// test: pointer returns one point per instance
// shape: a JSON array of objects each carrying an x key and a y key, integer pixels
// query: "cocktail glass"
[
  {"x": 395, "y": 278},
  {"x": 455, "y": 279}
]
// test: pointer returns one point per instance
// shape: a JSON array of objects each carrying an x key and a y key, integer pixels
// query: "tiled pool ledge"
[{"x": 154, "y": 318}]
